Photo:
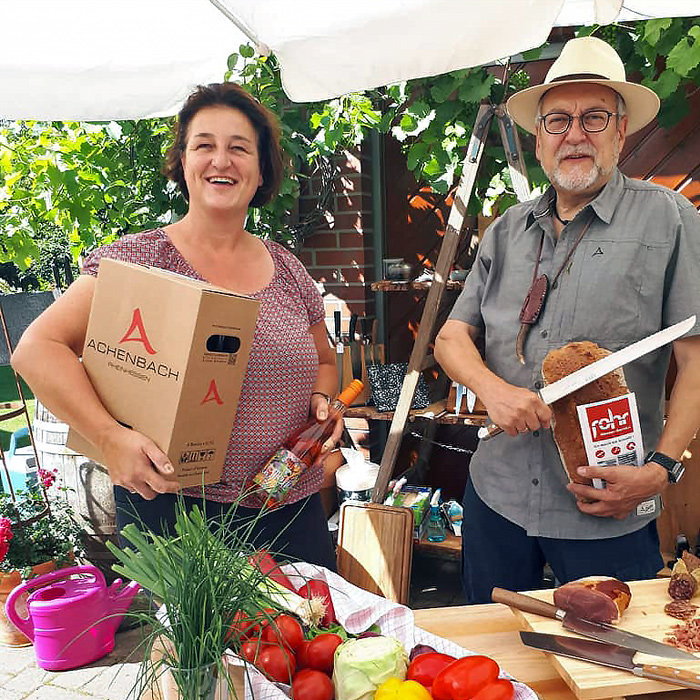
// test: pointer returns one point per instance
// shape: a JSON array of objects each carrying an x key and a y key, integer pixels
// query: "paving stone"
[
  {"x": 113, "y": 682},
  {"x": 28, "y": 680},
  {"x": 51, "y": 692}
]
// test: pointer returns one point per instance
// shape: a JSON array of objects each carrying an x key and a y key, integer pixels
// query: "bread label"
[{"x": 612, "y": 435}]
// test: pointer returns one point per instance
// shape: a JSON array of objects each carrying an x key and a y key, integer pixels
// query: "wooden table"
[{"x": 493, "y": 630}]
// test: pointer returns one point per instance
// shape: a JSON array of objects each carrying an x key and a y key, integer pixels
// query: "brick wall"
[{"x": 339, "y": 253}]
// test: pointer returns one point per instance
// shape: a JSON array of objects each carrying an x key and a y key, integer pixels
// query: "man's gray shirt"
[{"x": 636, "y": 270}]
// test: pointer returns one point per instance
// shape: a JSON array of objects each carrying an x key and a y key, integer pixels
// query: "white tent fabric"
[{"x": 118, "y": 59}]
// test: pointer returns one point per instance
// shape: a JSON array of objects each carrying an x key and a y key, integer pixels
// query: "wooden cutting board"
[
  {"x": 644, "y": 616},
  {"x": 375, "y": 546}
]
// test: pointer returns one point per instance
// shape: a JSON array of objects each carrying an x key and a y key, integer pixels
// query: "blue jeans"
[
  {"x": 297, "y": 532},
  {"x": 497, "y": 552}
]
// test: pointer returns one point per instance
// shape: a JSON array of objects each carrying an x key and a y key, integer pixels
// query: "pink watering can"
[{"x": 73, "y": 615}]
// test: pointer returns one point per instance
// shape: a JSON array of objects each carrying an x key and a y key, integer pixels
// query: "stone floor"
[{"x": 434, "y": 583}]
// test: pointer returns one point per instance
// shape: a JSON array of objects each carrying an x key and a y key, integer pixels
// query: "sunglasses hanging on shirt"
[{"x": 537, "y": 293}]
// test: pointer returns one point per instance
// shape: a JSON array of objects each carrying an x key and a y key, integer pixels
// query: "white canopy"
[{"x": 119, "y": 59}]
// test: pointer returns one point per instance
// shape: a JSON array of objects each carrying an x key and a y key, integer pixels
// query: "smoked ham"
[{"x": 596, "y": 598}]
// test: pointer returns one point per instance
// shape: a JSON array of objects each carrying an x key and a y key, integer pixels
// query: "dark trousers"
[
  {"x": 297, "y": 532},
  {"x": 497, "y": 552}
]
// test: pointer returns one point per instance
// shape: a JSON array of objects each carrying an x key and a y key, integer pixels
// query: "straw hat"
[{"x": 587, "y": 60}]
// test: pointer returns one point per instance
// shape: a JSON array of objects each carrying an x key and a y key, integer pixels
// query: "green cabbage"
[{"x": 362, "y": 665}]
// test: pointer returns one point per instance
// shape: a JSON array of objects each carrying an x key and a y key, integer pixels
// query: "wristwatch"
[{"x": 674, "y": 469}]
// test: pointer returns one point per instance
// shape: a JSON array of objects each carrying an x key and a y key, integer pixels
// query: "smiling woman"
[{"x": 225, "y": 158}]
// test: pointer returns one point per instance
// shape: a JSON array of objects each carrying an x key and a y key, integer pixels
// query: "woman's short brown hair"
[{"x": 263, "y": 120}]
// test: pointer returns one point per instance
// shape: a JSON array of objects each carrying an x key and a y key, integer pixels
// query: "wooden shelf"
[
  {"x": 407, "y": 286},
  {"x": 435, "y": 412},
  {"x": 451, "y": 548}
]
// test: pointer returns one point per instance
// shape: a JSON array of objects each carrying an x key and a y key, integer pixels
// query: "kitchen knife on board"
[
  {"x": 610, "y": 655},
  {"x": 585, "y": 375},
  {"x": 596, "y": 630}
]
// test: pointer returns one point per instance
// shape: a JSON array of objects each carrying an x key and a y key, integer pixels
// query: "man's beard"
[{"x": 577, "y": 179}]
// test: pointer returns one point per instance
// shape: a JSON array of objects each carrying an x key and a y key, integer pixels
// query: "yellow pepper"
[{"x": 396, "y": 689}]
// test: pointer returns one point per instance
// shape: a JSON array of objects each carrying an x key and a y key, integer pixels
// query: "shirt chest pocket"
[{"x": 610, "y": 278}]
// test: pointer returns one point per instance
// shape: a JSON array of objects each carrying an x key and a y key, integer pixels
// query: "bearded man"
[{"x": 623, "y": 260}]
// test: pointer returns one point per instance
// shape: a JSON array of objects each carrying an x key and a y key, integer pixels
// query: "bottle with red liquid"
[{"x": 301, "y": 450}]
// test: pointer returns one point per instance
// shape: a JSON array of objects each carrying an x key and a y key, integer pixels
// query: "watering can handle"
[{"x": 25, "y": 625}]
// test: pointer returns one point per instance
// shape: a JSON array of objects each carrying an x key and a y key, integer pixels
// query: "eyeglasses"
[{"x": 592, "y": 122}]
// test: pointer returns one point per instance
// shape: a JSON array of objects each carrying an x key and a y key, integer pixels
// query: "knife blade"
[
  {"x": 610, "y": 655},
  {"x": 339, "y": 347},
  {"x": 585, "y": 375},
  {"x": 355, "y": 350},
  {"x": 596, "y": 630}
]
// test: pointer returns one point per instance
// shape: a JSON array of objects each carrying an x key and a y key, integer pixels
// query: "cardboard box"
[{"x": 167, "y": 355}]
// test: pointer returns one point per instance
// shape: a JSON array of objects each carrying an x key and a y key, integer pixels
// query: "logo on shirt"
[
  {"x": 212, "y": 394},
  {"x": 137, "y": 333},
  {"x": 609, "y": 420},
  {"x": 598, "y": 251}
]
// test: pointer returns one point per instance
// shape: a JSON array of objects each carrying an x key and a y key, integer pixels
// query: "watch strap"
[{"x": 673, "y": 467}]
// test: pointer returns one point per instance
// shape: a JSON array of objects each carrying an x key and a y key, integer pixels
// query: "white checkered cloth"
[{"x": 356, "y": 610}]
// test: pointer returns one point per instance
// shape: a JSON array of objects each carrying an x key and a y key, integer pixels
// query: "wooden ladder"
[{"x": 420, "y": 359}]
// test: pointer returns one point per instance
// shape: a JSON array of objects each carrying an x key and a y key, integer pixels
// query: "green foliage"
[
  {"x": 67, "y": 186},
  {"x": 664, "y": 55},
  {"x": 42, "y": 537}
]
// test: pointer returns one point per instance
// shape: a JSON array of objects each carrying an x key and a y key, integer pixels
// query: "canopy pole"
[{"x": 262, "y": 49}]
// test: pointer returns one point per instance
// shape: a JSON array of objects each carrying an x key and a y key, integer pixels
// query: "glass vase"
[{"x": 201, "y": 683}]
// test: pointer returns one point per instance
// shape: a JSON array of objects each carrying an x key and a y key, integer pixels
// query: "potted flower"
[{"x": 37, "y": 534}]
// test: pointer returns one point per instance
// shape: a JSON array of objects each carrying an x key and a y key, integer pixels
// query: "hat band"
[{"x": 580, "y": 76}]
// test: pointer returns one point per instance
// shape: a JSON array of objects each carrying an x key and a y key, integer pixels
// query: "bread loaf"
[
  {"x": 596, "y": 598},
  {"x": 566, "y": 428}
]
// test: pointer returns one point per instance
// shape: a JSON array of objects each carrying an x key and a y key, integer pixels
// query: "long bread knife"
[
  {"x": 610, "y": 655},
  {"x": 596, "y": 630},
  {"x": 585, "y": 375}
]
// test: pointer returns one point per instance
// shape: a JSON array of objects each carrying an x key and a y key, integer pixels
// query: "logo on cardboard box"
[
  {"x": 137, "y": 328},
  {"x": 212, "y": 394},
  {"x": 609, "y": 420},
  {"x": 136, "y": 333}
]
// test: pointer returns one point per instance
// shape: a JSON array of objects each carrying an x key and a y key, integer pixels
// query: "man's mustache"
[{"x": 582, "y": 150}]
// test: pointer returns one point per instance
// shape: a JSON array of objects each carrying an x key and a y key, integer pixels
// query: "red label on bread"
[
  {"x": 609, "y": 419},
  {"x": 611, "y": 431}
]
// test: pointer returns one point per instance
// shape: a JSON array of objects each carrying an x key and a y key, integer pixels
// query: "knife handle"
[
  {"x": 352, "y": 328},
  {"x": 336, "y": 321},
  {"x": 524, "y": 603},
  {"x": 687, "y": 679},
  {"x": 488, "y": 432}
]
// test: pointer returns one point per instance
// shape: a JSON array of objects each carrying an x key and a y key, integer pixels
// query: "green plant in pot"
[
  {"x": 37, "y": 534},
  {"x": 208, "y": 593}
]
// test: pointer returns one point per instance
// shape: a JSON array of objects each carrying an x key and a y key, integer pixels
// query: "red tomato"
[
  {"x": 285, "y": 630},
  {"x": 319, "y": 589},
  {"x": 244, "y": 625},
  {"x": 312, "y": 685},
  {"x": 320, "y": 652},
  {"x": 462, "y": 679},
  {"x": 276, "y": 663},
  {"x": 502, "y": 689},
  {"x": 302, "y": 654},
  {"x": 251, "y": 649},
  {"x": 425, "y": 667}
]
